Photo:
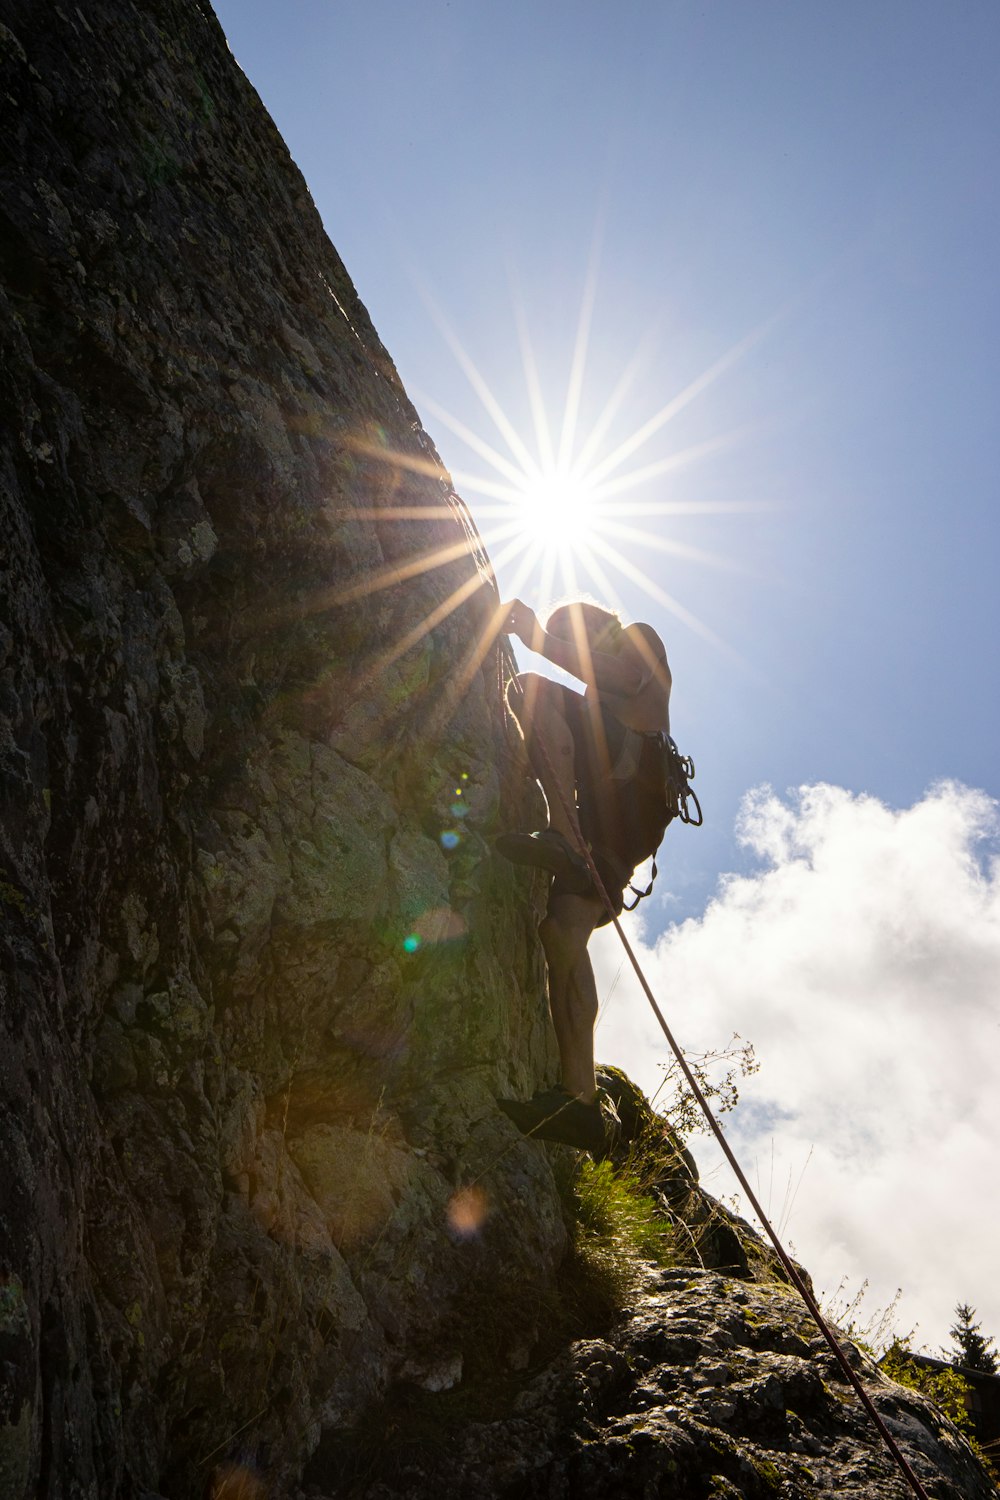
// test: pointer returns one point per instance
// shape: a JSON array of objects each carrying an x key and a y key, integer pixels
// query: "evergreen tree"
[{"x": 971, "y": 1350}]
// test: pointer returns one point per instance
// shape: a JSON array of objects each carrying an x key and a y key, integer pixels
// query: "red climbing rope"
[{"x": 789, "y": 1265}]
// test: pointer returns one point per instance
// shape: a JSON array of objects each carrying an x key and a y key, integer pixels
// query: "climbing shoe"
[
  {"x": 554, "y": 1115},
  {"x": 549, "y": 850}
]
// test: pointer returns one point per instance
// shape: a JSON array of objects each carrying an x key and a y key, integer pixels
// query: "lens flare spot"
[
  {"x": 458, "y": 811},
  {"x": 467, "y": 1212},
  {"x": 411, "y": 942},
  {"x": 234, "y": 1482},
  {"x": 450, "y": 839}
]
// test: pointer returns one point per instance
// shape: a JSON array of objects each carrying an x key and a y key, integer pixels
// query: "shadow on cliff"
[{"x": 412, "y": 1431}]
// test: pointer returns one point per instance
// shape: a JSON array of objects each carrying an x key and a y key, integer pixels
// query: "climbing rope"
[{"x": 789, "y": 1265}]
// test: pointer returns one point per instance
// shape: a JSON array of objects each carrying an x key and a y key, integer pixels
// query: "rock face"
[
  {"x": 239, "y": 1113},
  {"x": 262, "y": 979},
  {"x": 712, "y": 1389}
]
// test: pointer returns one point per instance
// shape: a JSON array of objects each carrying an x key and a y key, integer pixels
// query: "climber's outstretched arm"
[{"x": 622, "y": 676}]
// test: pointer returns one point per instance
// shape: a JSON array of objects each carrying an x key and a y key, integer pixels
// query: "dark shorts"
[{"x": 619, "y": 793}]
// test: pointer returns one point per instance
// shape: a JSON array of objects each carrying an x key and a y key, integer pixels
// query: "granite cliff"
[{"x": 261, "y": 978}]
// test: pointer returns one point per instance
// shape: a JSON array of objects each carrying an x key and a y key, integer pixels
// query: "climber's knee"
[
  {"x": 553, "y": 940},
  {"x": 530, "y": 695}
]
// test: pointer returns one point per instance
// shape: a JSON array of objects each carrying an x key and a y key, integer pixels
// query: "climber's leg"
[
  {"x": 565, "y": 932},
  {"x": 541, "y": 707}
]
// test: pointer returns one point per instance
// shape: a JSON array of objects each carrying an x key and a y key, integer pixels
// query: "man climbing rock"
[{"x": 599, "y": 757}]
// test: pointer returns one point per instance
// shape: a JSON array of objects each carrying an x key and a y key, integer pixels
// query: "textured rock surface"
[
  {"x": 254, "y": 1010},
  {"x": 236, "y": 1110},
  {"x": 713, "y": 1389}
]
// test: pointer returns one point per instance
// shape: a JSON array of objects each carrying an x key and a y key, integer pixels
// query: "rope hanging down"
[{"x": 789, "y": 1265}]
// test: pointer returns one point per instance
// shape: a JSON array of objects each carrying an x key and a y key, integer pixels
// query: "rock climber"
[{"x": 600, "y": 754}]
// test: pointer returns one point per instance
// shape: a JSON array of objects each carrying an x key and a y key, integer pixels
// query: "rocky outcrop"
[
  {"x": 261, "y": 978},
  {"x": 712, "y": 1389},
  {"x": 704, "y": 1378}
]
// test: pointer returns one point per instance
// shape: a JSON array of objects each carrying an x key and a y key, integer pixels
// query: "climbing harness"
[
  {"x": 788, "y": 1264},
  {"x": 679, "y": 796}
]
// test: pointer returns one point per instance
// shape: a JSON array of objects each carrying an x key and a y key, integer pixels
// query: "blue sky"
[{"x": 801, "y": 198}]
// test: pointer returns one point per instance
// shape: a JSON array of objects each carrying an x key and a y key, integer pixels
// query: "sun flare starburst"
[
  {"x": 568, "y": 513},
  {"x": 557, "y": 519}
]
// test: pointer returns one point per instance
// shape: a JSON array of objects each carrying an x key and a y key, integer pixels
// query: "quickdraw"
[
  {"x": 681, "y": 802},
  {"x": 678, "y": 773}
]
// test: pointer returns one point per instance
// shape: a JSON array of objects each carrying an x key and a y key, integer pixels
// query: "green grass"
[{"x": 619, "y": 1227}]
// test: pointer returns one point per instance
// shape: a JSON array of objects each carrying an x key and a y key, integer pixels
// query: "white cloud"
[{"x": 863, "y": 962}]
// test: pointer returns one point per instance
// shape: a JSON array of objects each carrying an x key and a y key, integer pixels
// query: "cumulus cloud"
[{"x": 862, "y": 959}]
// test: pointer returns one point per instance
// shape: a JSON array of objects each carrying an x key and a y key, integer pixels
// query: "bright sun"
[
  {"x": 565, "y": 510},
  {"x": 565, "y": 514},
  {"x": 556, "y": 510}
]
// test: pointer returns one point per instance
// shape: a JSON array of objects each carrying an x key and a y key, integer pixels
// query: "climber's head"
[{"x": 582, "y": 619}]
